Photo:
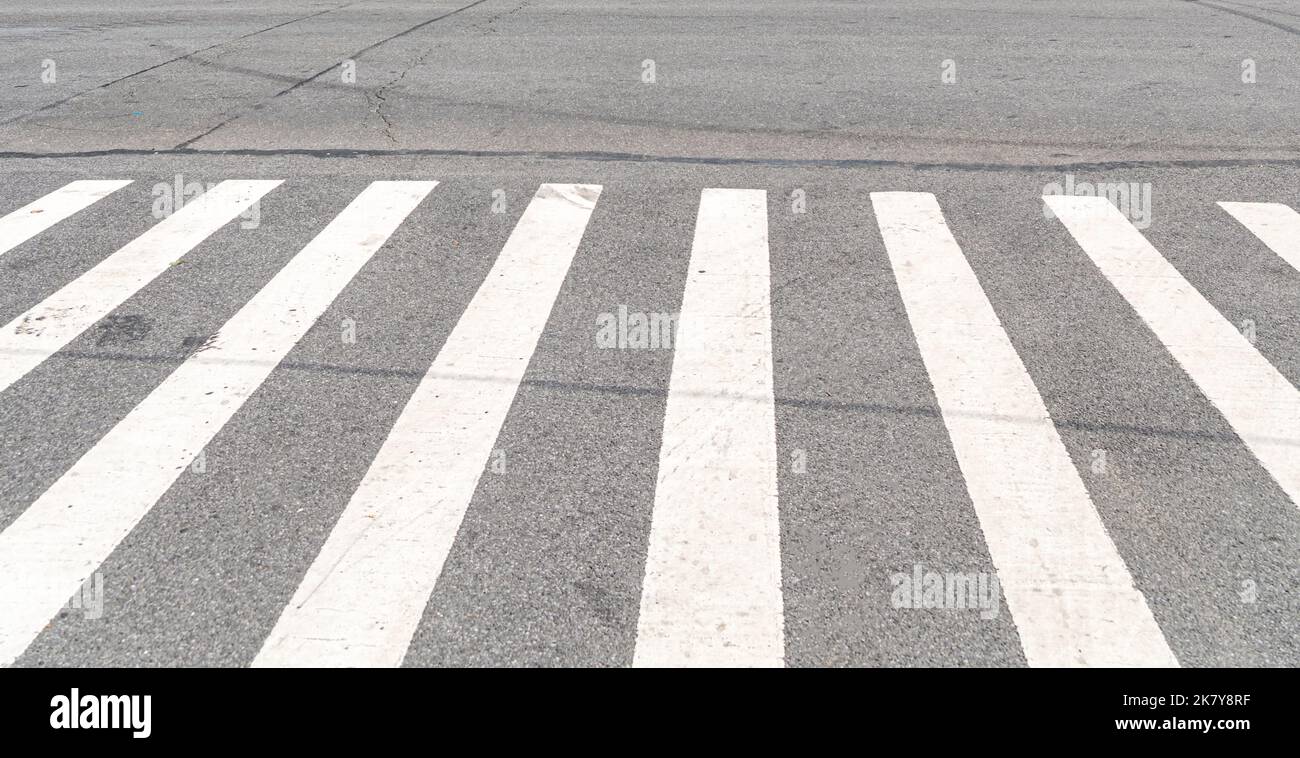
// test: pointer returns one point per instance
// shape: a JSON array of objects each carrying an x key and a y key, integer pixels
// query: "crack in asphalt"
[
  {"x": 381, "y": 96},
  {"x": 492, "y": 19},
  {"x": 1251, "y": 16},
  {"x": 185, "y": 57},
  {"x": 381, "y": 101},
  {"x": 322, "y": 72},
  {"x": 1264, "y": 10}
]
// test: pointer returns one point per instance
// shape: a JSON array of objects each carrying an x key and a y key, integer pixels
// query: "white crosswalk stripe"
[
  {"x": 713, "y": 590},
  {"x": 363, "y": 595},
  {"x": 32, "y": 337},
  {"x": 35, "y": 217},
  {"x": 1069, "y": 591},
  {"x": 1277, "y": 225},
  {"x": 61, "y": 538},
  {"x": 1260, "y": 404}
]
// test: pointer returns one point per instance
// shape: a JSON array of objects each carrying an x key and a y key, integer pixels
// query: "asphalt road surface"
[{"x": 273, "y": 397}]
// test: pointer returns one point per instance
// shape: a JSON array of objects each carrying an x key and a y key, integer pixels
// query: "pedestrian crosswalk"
[
  {"x": 60, "y": 539},
  {"x": 37, "y": 334},
  {"x": 1259, "y": 403},
  {"x": 362, "y": 598},
  {"x": 1032, "y": 505},
  {"x": 711, "y": 587}
]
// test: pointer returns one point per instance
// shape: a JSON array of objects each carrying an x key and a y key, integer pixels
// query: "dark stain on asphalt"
[
  {"x": 197, "y": 344},
  {"x": 117, "y": 330}
]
